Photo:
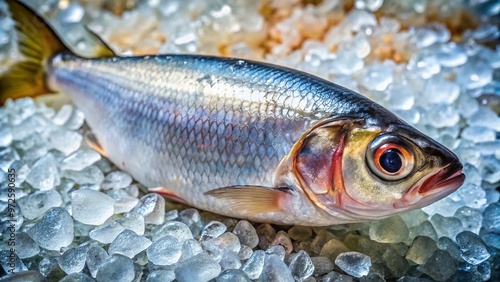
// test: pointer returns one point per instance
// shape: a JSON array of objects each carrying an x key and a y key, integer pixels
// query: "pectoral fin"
[
  {"x": 94, "y": 144},
  {"x": 253, "y": 199}
]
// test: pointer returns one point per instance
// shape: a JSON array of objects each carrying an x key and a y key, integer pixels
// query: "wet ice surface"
[{"x": 82, "y": 219}]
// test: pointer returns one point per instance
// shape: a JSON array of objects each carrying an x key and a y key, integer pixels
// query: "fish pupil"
[{"x": 391, "y": 161}]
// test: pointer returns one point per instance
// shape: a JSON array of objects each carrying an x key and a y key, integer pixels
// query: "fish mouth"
[{"x": 434, "y": 187}]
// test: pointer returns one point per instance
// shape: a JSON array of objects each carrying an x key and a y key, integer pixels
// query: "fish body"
[{"x": 252, "y": 140}]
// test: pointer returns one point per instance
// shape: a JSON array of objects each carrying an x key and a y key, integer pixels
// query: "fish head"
[{"x": 362, "y": 171}]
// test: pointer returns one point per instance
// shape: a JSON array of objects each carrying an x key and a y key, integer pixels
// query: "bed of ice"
[{"x": 80, "y": 219}]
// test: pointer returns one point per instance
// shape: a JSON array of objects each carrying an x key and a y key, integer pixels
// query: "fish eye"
[{"x": 389, "y": 159}]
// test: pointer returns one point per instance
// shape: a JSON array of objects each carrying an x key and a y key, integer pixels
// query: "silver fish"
[{"x": 240, "y": 138}]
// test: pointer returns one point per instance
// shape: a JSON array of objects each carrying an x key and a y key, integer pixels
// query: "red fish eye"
[{"x": 392, "y": 161}]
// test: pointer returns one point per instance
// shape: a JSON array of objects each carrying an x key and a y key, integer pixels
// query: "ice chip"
[
  {"x": 26, "y": 247},
  {"x": 447, "y": 244},
  {"x": 88, "y": 175},
  {"x": 478, "y": 134},
  {"x": 80, "y": 159},
  {"x": 106, "y": 233},
  {"x": 201, "y": 267},
  {"x": 440, "y": 266},
  {"x": 96, "y": 256},
  {"x": 152, "y": 207},
  {"x": 397, "y": 265},
  {"x": 73, "y": 260},
  {"x": 450, "y": 54},
  {"x": 54, "y": 230},
  {"x": 63, "y": 115},
  {"x": 232, "y": 275},
  {"x": 6, "y": 136},
  {"x": 442, "y": 115},
  {"x": 35, "y": 205},
  {"x": 491, "y": 217},
  {"x": 117, "y": 268},
  {"x": 44, "y": 174},
  {"x": 472, "y": 246},
  {"x": 322, "y": 265},
  {"x": 229, "y": 260},
  {"x": 212, "y": 230},
  {"x": 377, "y": 77},
  {"x": 440, "y": 91},
  {"x": 474, "y": 74},
  {"x": 446, "y": 226},
  {"x": 116, "y": 180},
  {"x": 246, "y": 233},
  {"x": 227, "y": 241},
  {"x": 190, "y": 248},
  {"x": 129, "y": 244},
  {"x": 133, "y": 221},
  {"x": 254, "y": 265},
  {"x": 80, "y": 277},
  {"x": 424, "y": 65},
  {"x": 421, "y": 249},
  {"x": 358, "y": 18},
  {"x": 161, "y": 276},
  {"x": 471, "y": 219},
  {"x": 372, "y": 5},
  {"x": 65, "y": 141},
  {"x": 299, "y": 233},
  {"x": 485, "y": 117},
  {"x": 91, "y": 207},
  {"x": 176, "y": 229},
  {"x": 354, "y": 263},
  {"x": 164, "y": 251},
  {"x": 301, "y": 266},
  {"x": 423, "y": 229},
  {"x": 275, "y": 270},
  {"x": 333, "y": 248},
  {"x": 73, "y": 13},
  {"x": 389, "y": 230}
]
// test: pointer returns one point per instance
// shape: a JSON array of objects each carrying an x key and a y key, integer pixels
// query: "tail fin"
[{"x": 37, "y": 42}]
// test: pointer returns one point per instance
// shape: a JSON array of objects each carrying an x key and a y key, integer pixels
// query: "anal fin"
[
  {"x": 168, "y": 194},
  {"x": 253, "y": 199},
  {"x": 94, "y": 144}
]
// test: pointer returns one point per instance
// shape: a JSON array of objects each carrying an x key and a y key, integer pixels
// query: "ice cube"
[
  {"x": 389, "y": 230},
  {"x": 176, "y": 229},
  {"x": 358, "y": 18},
  {"x": 106, "y": 233},
  {"x": 424, "y": 65},
  {"x": 254, "y": 265},
  {"x": 282, "y": 239},
  {"x": 333, "y": 248},
  {"x": 474, "y": 74},
  {"x": 320, "y": 240},
  {"x": 472, "y": 195},
  {"x": 91, "y": 207},
  {"x": 73, "y": 13},
  {"x": 372, "y": 5},
  {"x": 6, "y": 136},
  {"x": 376, "y": 77},
  {"x": 421, "y": 249},
  {"x": 201, "y": 267},
  {"x": 485, "y": 117},
  {"x": 190, "y": 248},
  {"x": 471, "y": 219},
  {"x": 447, "y": 244},
  {"x": 229, "y": 260},
  {"x": 35, "y": 205},
  {"x": 80, "y": 159},
  {"x": 161, "y": 276},
  {"x": 152, "y": 207},
  {"x": 26, "y": 247},
  {"x": 478, "y": 134},
  {"x": 446, "y": 226},
  {"x": 80, "y": 277},
  {"x": 124, "y": 202},
  {"x": 44, "y": 174},
  {"x": 164, "y": 251},
  {"x": 133, "y": 221},
  {"x": 354, "y": 263},
  {"x": 397, "y": 265},
  {"x": 246, "y": 233},
  {"x": 232, "y": 275},
  {"x": 116, "y": 268},
  {"x": 450, "y": 54},
  {"x": 227, "y": 241},
  {"x": 212, "y": 230},
  {"x": 472, "y": 246},
  {"x": 54, "y": 230},
  {"x": 63, "y": 115},
  {"x": 96, "y": 256},
  {"x": 129, "y": 244},
  {"x": 423, "y": 229},
  {"x": 440, "y": 266},
  {"x": 443, "y": 115},
  {"x": 440, "y": 91},
  {"x": 73, "y": 260},
  {"x": 301, "y": 266},
  {"x": 401, "y": 97},
  {"x": 88, "y": 175},
  {"x": 65, "y": 141},
  {"x": 275, "y": 270},
  {"x": 322, "y": 265},
  {"x": 299, "y": 233},
  {"x": 116, "y": 180},
  {"x": 491, "y": 217}
]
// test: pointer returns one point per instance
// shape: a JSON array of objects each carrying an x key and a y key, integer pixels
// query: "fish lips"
[{"x": 434, "y": 187}]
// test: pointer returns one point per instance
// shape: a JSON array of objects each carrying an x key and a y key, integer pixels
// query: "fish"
[{"x": 235, "y": 137}]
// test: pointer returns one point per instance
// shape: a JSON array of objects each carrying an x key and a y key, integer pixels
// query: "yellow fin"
[
  {"x": 253, "y": 199},
  {"x": 94, "y": 144},
  {"x": 99, "y": 48},
  {"x": 37, "y": 43}
]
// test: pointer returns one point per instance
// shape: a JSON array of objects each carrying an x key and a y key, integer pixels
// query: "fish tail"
[{"x": 37, "y": 43}]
